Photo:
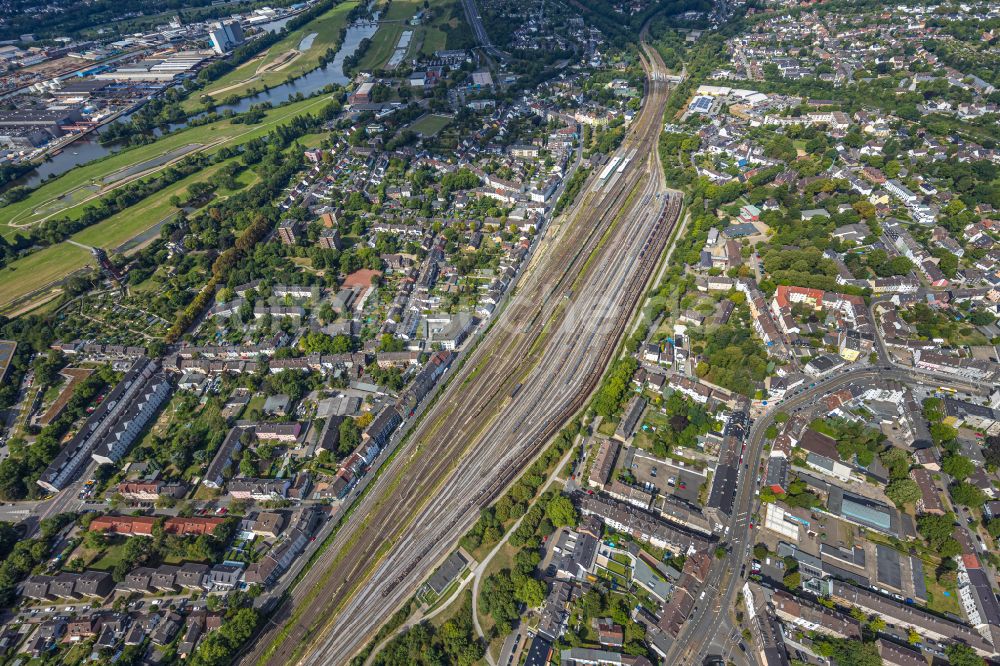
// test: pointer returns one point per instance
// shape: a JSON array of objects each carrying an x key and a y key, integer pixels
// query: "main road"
[
  {"x": 530, "y": 373},
  {"x": 710, "y": 619},
  {"x": 475, "y": 21}
]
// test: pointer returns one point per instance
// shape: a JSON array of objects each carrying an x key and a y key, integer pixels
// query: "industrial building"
[{"x": 225, "y": 36}]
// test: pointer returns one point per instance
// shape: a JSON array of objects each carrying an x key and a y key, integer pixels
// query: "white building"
[{"x": 225, "y": 36}]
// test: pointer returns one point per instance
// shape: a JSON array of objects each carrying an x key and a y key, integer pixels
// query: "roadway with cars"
[
  {"x": 711, "y": 617},
  {"x": 531, "y": 372}
]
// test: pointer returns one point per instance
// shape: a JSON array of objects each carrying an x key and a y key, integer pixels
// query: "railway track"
[
  {"x": 491, "y": 493},
  {"x": 655, "y": 241},
  {"x": 486, "y": 495},
  {"x": 447, "y": 440}
]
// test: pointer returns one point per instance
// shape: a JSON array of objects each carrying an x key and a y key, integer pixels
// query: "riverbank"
[
  {"x": 28, "y": 282},
  {"x": 80, "y": 150},
  {"x": 50, "y": 264},
  {"x": 49, "y": 197},
  {"x": 267, "y": 72}
]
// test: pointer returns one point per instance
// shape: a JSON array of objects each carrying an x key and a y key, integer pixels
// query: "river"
[
  {"x": 314, "y": 81},
  {"x": 87, "y": 148}
]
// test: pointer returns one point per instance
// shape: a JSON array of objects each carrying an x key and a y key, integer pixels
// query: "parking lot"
[{"x": 659, "y": 474}]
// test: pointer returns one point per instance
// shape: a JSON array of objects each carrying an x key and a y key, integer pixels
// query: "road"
[
  {"x": 711, "y": 617},
  {"x": 531, "y": 372},
  {"x": 475, "y": 20}
]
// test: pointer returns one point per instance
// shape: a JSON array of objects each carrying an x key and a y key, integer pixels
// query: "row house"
[
  {"x": 258, "y": 490},
  {"x": 69, "y": 586},
  {"x": 150, "y": 491}
]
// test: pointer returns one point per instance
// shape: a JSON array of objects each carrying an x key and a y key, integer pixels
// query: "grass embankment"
[
  {"x": 45, "y": 200},
  {"x": 49, "y": 264},
  {"x": 282, "y": 61}
]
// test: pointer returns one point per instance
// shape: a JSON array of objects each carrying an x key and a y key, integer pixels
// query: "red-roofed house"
[
  {"x": 191, "y": 526},
  {"x": 784, "y": 296},
  {"x": 143, "y": 525},
  {"x": 125, "y": 525}
]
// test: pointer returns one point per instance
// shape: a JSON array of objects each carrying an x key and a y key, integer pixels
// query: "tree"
[
  {"x": 792, "y": 580},
  {"x": 847, "y": 652},
  {"x": 992, "y": 451},
  {"x": 497, "y": 599},
  {"x": 957, "y": 467},
  {"x": 967, "y": 494},
  {"x": 780, "y": 147},
  {"x": 531, "y": 592},
  {"x": 350, "y": 436},
  {"x": 937, "y": 531},
  {"x": 247, "y": 465},
  {"x": 94, "y": 539},
  {"x": 526, "y": 560},
  {"x": 561, "y": 511},
  {"x": 390, "y": 343},
  {"x": 615, "y": 387},
  {"x": 941, "y": 434},
  {"x": 219, "y": 646},
  {"x": 933, "y": 410},
  {"x": 865, "y": 209},
  {"x": 316, "y": 342},
  {"x": 903, "y": 491},
  {"x": 960, "y": 654},
  {"x": 899, "y": 266},
  {"x": 502, "y": 508},
  {"x": 897, "y": 461}
]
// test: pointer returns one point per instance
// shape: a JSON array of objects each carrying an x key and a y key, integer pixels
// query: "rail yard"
[{"x": 555, "y": 338}]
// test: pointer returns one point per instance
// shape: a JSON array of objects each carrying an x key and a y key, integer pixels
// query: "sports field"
[{"x": 430, "y": 124}]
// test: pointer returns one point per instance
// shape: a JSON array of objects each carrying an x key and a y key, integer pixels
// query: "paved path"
[{"x": 475, "y": 578}]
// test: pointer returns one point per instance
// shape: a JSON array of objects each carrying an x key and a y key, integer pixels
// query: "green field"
[
  {"x": 430, "y": 124},
  {"x": 117, "y": 229},
  {"x": 276, "y": 67},
  {"x": 43, "y": 201},
  {"x": 57, "y": 261},
  {"x": 434, "y": 40},
  {"x": 69, "y": 200},
  {"x": 618, "y": 568},
  {"x": 44, "y": 266},
  {"x": 385, "y": 40},
  {"x": 38, "y": 269},
  {"x": 432, "y": 35}
]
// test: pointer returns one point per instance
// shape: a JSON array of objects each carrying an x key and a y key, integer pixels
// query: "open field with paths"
[
  {"x": 44, "y": 202},
  {"x": 50, "y": 264}
]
